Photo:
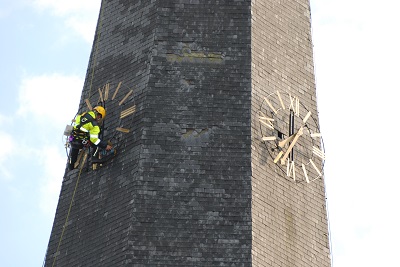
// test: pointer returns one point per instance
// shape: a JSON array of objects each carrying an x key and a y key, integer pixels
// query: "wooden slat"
[
  {"x": 269, "y": 138},
  {"x": 305, "y": 173},
  {"x": 285, "y": 141},
  {"x": 83, "y": 161},
  {"x": 316, "y": 135},
  {"x": 101, "y": 95},
  {"x": 88, "y": 104},
  {"x": 79, "y": 161},
  {"x": 306, "y": 117},
  {"x": 123, "y": 130},
  {"x": 116, "y": 91},
  {"x": 270, "y": 105},
  {"x": 278, "y": 157},
  {"x": 269, "y": 125},
  {"x": 296, "y": 137},
  {"x": 126, "y": 97},
  {"x": 315, "y": 167},
  {"x": 128, "y": 112},
  {"x": 318, "y": 152},
  {"x": 280, "y": 99},
  {"x": 106, "y": 91}
]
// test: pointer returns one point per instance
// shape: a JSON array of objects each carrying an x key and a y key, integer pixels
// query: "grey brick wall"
[{"x": 186, "y": 188}]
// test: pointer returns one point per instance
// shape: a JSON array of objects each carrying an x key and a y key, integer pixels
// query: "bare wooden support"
[
  {"x": 270, "y": 105},
  {"x": 78, "y": 161},
  {"x": 128, "y": 112},
  {"x": 88, "y": 104},
  {"x": 316, "y": 135},
  {"x": 269, "y": 138},
  {"x": 126, "y": 97},
  {"x": 116, "y": 91},
  {"x": 101, "y": 95},
  {"x": 122, "y": 130},
  {"x": 106, "y": 91},
  {"x": 83, "y": 161}
]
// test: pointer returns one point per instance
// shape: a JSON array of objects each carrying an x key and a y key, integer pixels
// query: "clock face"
[
  {"x": 125, "y": 101},
  {"x": 126, "y": 106},
  {"x": 291, "y": 135}
]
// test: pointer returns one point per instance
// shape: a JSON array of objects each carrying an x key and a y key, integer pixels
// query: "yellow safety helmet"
[{"x": 101, "y": 111}]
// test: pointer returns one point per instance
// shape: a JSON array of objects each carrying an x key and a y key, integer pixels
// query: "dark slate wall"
[
  {"x": 193, "y": 208},
  {"x": 99, "y": 221},
  {"x": 179, "y": 191}
]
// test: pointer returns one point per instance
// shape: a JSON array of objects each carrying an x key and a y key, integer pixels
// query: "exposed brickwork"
[{"x": 186, "y": 188}]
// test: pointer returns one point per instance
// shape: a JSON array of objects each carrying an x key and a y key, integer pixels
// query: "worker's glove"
[{"x": 109, "y": 146}]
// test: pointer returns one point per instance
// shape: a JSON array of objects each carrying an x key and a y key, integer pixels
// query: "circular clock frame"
[{"x": 283, "y": 120}]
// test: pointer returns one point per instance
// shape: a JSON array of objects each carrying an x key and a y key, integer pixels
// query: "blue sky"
[{"x": 45, "y": 51}]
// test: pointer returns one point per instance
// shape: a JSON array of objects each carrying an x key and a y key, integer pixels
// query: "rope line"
[
  {"x": 69, "y": 210},
  {"x": 85, "y": 157}
]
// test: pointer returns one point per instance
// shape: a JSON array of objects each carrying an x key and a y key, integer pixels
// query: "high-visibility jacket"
[{"x": 86, "y": 123}]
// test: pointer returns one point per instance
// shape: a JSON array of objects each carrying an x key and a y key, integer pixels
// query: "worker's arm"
[{"x": 94, "y": 138}]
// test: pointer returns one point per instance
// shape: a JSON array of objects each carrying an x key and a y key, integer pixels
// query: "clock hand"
[
  {"x": 296, "y": 137},
  {"x": 291, "y": 124},
  {"x": 285, "y": 141},
  {"x": 291, "y": 128}
]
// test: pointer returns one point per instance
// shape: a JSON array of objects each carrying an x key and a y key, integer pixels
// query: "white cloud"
[
  {"x": 53, "y": 163},
  {"x": 84, "y": 26},
  {"x": 49, "y": 102},
  {"x": 65, "y": 8},
  {"x": 50, "y": 98},
  {"x": 80, "y": 16},
  {"x": 4, "y": 119},
  {"x": 6, "y": 10},
  {"x": 8, "y": 146}
]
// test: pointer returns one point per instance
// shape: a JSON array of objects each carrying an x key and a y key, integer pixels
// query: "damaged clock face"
[
  {"x": 290, "y": 133},
  {"x": 125, "y": 104},
  {"x": 121, "y": 105}
]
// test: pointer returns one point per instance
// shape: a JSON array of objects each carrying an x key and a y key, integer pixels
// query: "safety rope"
[
  {"x": 84, "y": 159},
  {"x": 70, "y": 207}
]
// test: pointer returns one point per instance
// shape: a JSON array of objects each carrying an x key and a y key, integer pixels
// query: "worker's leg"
[{"x": 75, "y": 147}]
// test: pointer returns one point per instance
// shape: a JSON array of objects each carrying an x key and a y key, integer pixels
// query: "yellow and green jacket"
[{"x": 85, "y": 126}]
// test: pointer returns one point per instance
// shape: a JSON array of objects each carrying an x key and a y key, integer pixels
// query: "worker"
[{"x": 86, "y": 133}]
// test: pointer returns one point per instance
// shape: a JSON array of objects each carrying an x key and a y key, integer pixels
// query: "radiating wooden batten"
[
  {"x": 106, "y": 91},
  {"x": 101, "y": 95},
  {"x": 116, "y": 91},
  {"x": 123, "y": 130},
  {"x": 128, "y": 111},
  {"x": 83, "y": 161},
  {"x": 88, "y": 104},
  {"x": 126, "y": 97}
]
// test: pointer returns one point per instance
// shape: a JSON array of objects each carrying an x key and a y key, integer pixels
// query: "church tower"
[{"x": 211, "y": 106}]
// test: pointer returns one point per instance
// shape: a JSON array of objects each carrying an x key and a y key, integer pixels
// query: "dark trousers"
[{"x": 76, "y": 146}]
